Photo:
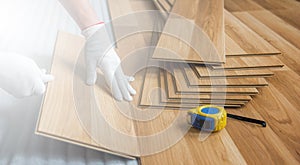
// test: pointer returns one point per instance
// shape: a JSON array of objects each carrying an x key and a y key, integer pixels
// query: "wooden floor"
[
  {"x": 278, "y": 23},
  {"x": 240, "y": 143}
]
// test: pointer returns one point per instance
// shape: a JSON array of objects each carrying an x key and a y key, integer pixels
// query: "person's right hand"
[
  {"x": 99, "y": 52},
  {"x": 20, "y": 76}
]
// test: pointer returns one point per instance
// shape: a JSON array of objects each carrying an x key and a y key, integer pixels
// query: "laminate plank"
[
  {"x": 277, "y": 4},
  {"x": 172, "y": 95},
  {"x": 182, "y": 87},
  {"x": 290, "y": 16},
  {"x": 252, "y": 43},
  {"x": 208, "y": 72},
  {"x": 165, "y": 97},
  {"x": 279, "y": 26},
  {"x": 288, "y": 50},
  {"x": 152, "y": 98},
  {"x": 195, "y": 81},
  {"x": 281, "y": 116},
  {"x": 188, "y": 43},
  {"x": 248, "y": 62},
  {"x": 246, "y": 5},
  {"x": 245, "y": 38},
  {"x": 267, "y": 143},
  {"x": 58, "y": 116}
]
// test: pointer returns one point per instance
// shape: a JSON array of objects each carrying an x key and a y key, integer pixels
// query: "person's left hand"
[{"x": 20, "y": 76}]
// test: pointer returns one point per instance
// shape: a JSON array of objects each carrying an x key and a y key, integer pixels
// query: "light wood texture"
[
  {"x": 207, "y": 39},
  {"x": 170, "y": 91},
  {"x": 165, "y": 96},
  {"x": 244, "y": 38},
  {"x": 58, "y": 115},
  {"x": 194, "y": 80},
  {"x": 239, "y": 143},
  {"x": 252, "y": 44},
  {"x": 208, "y": 72},
  {"x": 279, "y": 26},
  {"x": 246, "y": 5},
  {"x": 278, "y": 143},
  {"x": 251, "y": 62},
  {"x": 286, "y": 10},
  {"x": 181, "y": 86},
  {"x": 152, "y": 98},
  {"x": 288, "y": 50}
]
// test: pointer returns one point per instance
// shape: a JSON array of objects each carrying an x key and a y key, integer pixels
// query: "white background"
[{"x": 29, "y": 27}]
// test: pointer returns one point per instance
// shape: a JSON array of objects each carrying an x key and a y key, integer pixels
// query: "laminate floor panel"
[
  {"x": 236, "y": 5},
  {"x": 208, "y": 38},
  {"x": 288, "y": 50},
  {"x": 251, "y": 62},
  {"x": 287, "y": 31},
  {"x": 194, "y": 81},
  {"x": 181, "y": 86},
  {"x": 151, "y": 94},
  {"x": 165, "y": 96},
  {"x": 174, "y": 95},
  {"x": 244, "y": 38},
  {"x": 207, "y": 72}
]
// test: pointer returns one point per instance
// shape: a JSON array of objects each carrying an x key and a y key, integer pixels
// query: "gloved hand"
[
  {"x": 20, "y": 76},
  {"x": 99, "y": 52}
]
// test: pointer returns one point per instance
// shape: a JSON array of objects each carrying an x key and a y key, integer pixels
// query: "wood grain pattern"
[
  {"x": 172, "y": 95},
  {"x": 208, "y": 72},
  {"x": 279, "y": 26},
  {"x": 182, "y": 87},
  {"x": 194, "y": 80},
  {"x": 236, "y": 5},
  {"x": 251, "y": 62},
  {"x": 207, "y": 39},
  {"x": 245, "y": 38},
  {"x": 151, "y": 94},
  {"x": 165, "y": 96},
  {"x": 269, "y": 145},
  {"x": 62, "y": 112},
  {"x": 239, "y": 143},
  {"x": 288, "y": 50}
]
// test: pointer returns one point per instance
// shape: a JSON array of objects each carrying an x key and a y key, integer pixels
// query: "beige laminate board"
[
  {"x": 288, "y": 50},
  {"x": 207, "y": 72},
  {"x": 152, "y": 98},
  {"x": 287, "y": 10},
  {"x": 251, "y": 62},
  {"x": 242, "y": 41},
  {"x": 166, "y": 99},
  {"x": 181, "y": 40},
  {"x": 245, "y": 38},
  {"x": 287, "y": 31},
  {"x": 181, "y": 86},
  {"x": 237, "y": 5},
  {"x": 170, "y": 91},
  {"x": 58, "y": 117},
  {"x": 194, "y": 80},
  {"x": 172, "y": 95}
]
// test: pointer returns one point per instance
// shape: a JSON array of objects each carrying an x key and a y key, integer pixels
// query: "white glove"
[
  {"x": 99, "y": 52},
  {"x": 20, "y": 76}
]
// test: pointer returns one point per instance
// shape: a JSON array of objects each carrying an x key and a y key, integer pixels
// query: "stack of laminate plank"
[{"x": 207, "y": 56}]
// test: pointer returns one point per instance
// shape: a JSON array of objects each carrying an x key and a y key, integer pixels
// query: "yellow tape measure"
[
  {"x": 214, "y": 118},
  {"x": 208, "y": 118}
]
